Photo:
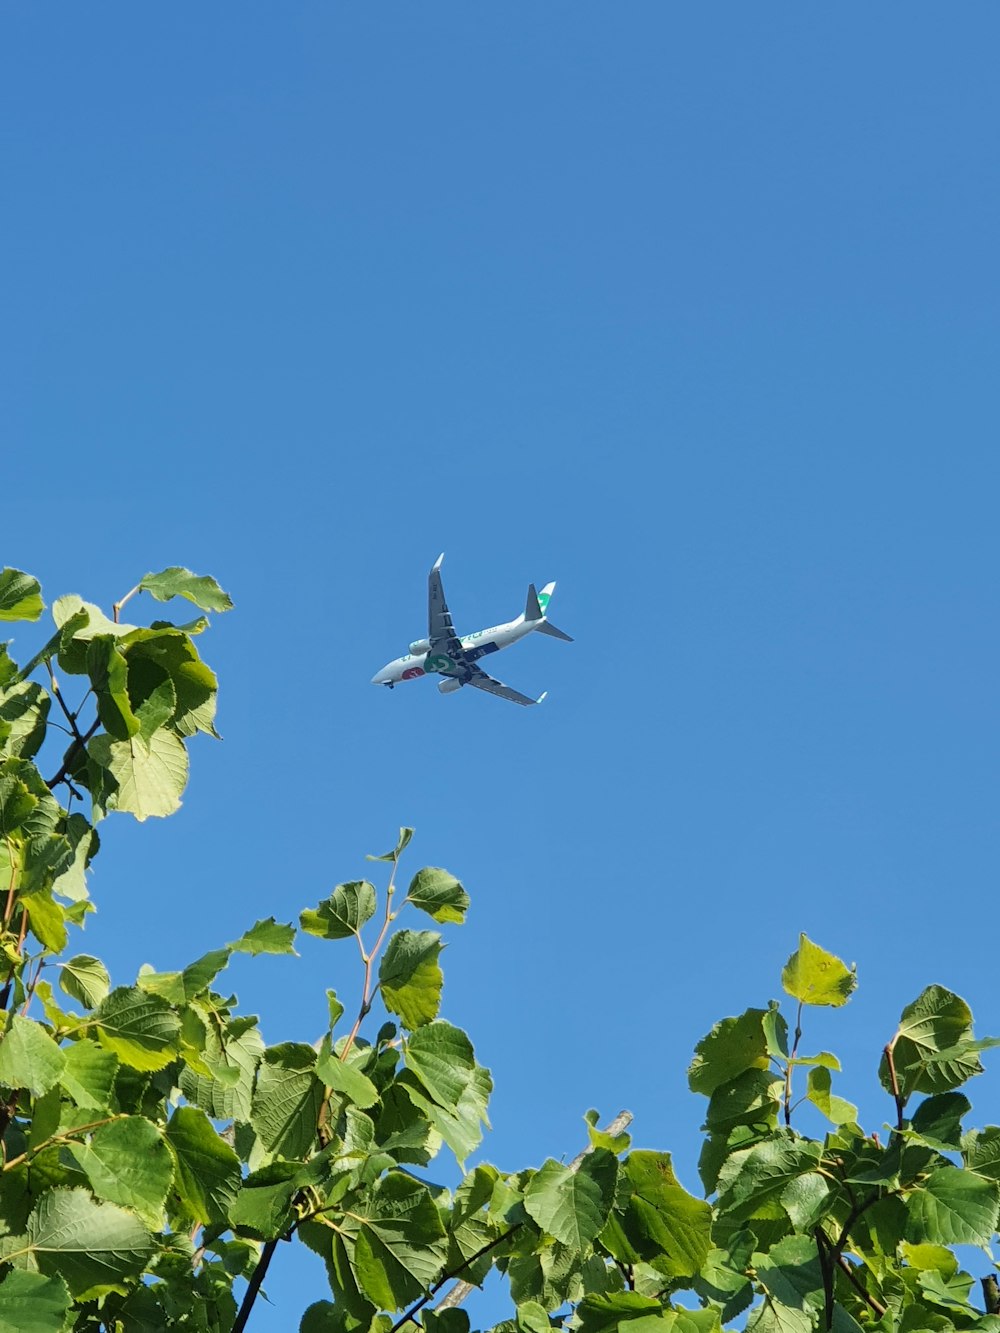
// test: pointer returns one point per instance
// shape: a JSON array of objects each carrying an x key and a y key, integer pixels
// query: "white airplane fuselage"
[{"x": 476, "y": 646}]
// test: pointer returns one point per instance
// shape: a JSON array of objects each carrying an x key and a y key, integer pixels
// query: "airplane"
[{"x": 443, "y": 653}]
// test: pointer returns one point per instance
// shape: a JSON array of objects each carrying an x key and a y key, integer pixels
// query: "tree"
[{"x": 155, "y": 1149}]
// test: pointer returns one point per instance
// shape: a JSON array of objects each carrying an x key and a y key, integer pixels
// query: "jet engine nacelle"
[
  {"x": 449, "y": 685},
  {"x": 419, "y": 646}
]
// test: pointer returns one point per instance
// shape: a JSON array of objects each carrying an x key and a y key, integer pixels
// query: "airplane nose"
[{"x": 377, "y": 678}]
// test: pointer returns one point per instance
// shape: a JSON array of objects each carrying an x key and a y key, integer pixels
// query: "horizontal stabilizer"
[{"x": 546, "y": 628}]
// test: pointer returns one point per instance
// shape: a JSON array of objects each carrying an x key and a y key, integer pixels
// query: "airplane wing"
[
  {"x": 440, "y": 630},
  {"x": 484, "y": 682}
]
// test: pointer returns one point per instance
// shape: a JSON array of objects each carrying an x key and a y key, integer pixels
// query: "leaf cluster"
[{"x": 156, "y": 1150}]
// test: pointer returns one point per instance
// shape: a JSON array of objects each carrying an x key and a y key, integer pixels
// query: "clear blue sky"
[{"x": 693, "y": 308}]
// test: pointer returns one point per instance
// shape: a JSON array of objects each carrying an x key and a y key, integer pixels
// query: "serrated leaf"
[
  {"x": 343, "y": 913},
  {"x": 20, "y": 596},
  {"x": 263, "y": 1207},
  {"x": 208, "y": 1173},
  {"x": 954, "y": 1207},
  {"x": 816, "y": 977},
  {"x": 33, "y": 1303},
  {"x": 410, "y": 977},
  {"x": 24, "y": 709},
  {"x": 127, "y": 1162},
  {"x": 94, "y": 1247},
  {"x": 732, "y": 1046},
  {"x": 227, "y": 1090},
  {"x": 938, "y": 1120},
  {"x": 439, "y": 894},
  {"x": 29, "y": 1058},
  {"x": 150, "y": 774},
  {"x": 287, "y": 1099},
  {"x": 267, "y": 936},
  {"x": 89, "y": 1073},
  {"x": 572, "y": 1206},
  {"x": 108, "y": 672},
  {"x": 141, "y": 1029},
  {"x": 400, "y": 1245},
  {"x": 85, "y": 979},
  {"x": 176, "y": 581},
  {"x": 751, "y": 1177},
  {"x": 663, "y": 1223},
  {"x": 345, "y": 1079}
]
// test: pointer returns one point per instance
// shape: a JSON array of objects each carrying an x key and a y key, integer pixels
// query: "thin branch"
[
  {"x": 72, "y": 753},
  {"x": 859, "y": 1287},
  {"x": 259, "y": 1273},
  {"x": 826, "y": 1268},
  {"x": 117, "y": 606},
  {"x": 57, "y": 695}
]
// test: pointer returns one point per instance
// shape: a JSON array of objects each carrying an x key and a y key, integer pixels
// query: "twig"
[
  {"x": 57, "y": 694},
  {"x": 117, "y": 606},
  {"x": 71, "y": 754},
  {"x": 859, "y": 1287},
  {"x": 257, "y": 1277}
]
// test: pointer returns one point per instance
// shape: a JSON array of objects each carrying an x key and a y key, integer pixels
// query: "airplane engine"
[
  {"x": 419, "y": 646},
  {"x": 449, "y": 685}
]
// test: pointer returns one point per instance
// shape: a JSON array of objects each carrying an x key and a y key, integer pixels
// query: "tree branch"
[
  {"x": 71, "y": 754},
  {"x": 899, "y": 1100}
]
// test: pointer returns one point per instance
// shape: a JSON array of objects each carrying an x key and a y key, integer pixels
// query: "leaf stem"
[
  {"x": 788, "y": 1067},
  {"x": 894, "y": 1082},
  {"x": 69, "y": 760}
]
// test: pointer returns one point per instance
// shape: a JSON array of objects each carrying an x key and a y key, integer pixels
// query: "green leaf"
[
  {"x": 141, "y": 1029},
  {"x": 127, "y": 1162},
  {"x": 343, "y": 913},
  {"x": 410, "y": 977},
  {"x": 208, "y": 1173},
  {"x": 531, "y": 1318},
  {"x": 287, "y": 1099},
  {"x": 108, "y": 672},
  {"x": 20, "y": 596},
  {"x": 93, "y": 1247},
  {"x": 751, "y": 1177},
  {"x": 732, "y": 1046},
  {"x": 32, "y": 1303},
  {"x": 167, "y": 654},
  {"x": 572, "y": 1206},
  {"x": 804, "y": 1199},
  {"x": 663, "y": 1223},
  {"x": 938, "y": 1121},
  {"x": 150, "y": 774},
  {"x": 89, "y": 1074},
  {"x": 836, "y": 1109},
  {"x": 444, "y": 1081},
  {"x": 17, "y": 803},
  {"x": 606, "y": 1313},
  {"x": 346, "y": 1079},
  {"x": 231, "y": 1060},
  {"x": 85, "y": 979},
  {"x": 405, "y": 834},
  {"x": 933, "y": 1049},
  {"x": 954, "y": 1207},
  {"x": 816, "y": 977},
  {"x": 616, "y": 1143},
  {"x": 24, "y": 710},
  {"x": 263, "y": 1207},
  {"x": 981, "y": 1151},
  {"x": 29, "y": 1058},
  {"x": 201, "y": 589},
  {"x": 268, "y": 936},
  {"x": 72, "y": 882},
  {"x": 438, "y": 894},
  {"x": 400, "y": 1245}
]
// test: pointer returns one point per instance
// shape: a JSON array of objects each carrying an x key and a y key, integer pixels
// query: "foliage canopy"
[{"x": 156, "y": 1149}]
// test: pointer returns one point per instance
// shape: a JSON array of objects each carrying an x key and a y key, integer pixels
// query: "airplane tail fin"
[{"x": 536, "y": 607}]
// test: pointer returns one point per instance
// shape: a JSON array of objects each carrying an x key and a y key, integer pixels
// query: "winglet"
[
  {"x": 543, "y": 695},
  {"x": 437, "y": 563}
]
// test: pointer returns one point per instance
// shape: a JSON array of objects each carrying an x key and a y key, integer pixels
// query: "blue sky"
[{"x": 690, "y": 307}]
